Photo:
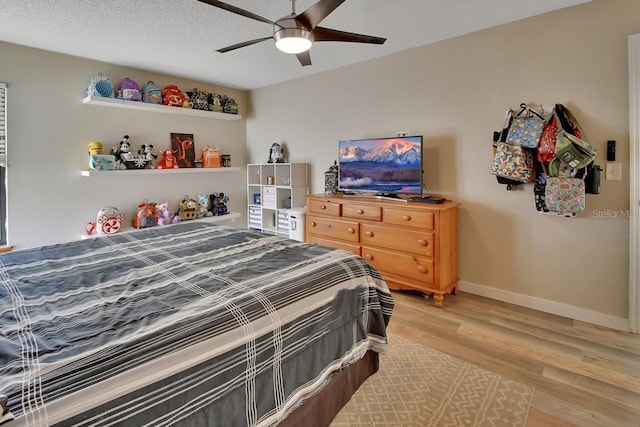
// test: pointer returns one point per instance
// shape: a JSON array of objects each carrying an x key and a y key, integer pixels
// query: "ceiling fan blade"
[
  {"x": 243, "y": 44},
  {"x": 304, "y": 58},
  {"x": 236, "y": 10},
  {"x": 321, "y": 34},
  {"x": 317, "y": 12}
]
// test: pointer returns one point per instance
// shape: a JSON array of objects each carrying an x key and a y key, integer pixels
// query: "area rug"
[{"x": 420, "y": 386}]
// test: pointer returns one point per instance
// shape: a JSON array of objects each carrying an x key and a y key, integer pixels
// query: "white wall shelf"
[
  {"x": 124, "y": 172},
  {"x": 231, "y": 216},
  {"x": 157, "y": 108}
]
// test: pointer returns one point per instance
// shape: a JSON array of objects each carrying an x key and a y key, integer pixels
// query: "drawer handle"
[
  {"x": 323, "y": 207},
  {"x": 368, "y": 257},
  {"x": 313, "y": 223},
  {"x": 422, "y": 242},
  {"x": 369, "y": 233},
  {"x": 360, "y": 211},
  {"x": 406, "y": 217},
  {"x": 422, "y": 269},
  {"x": 351, "y": 230}
]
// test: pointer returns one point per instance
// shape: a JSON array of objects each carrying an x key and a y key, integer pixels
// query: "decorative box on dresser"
[{"x": 413, "y": 245}]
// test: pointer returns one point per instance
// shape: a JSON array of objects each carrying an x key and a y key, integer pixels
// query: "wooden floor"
[{"x": 584, "y": 375}]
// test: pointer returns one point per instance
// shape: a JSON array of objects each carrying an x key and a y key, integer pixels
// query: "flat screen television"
[{"x": 382, "y": 166}]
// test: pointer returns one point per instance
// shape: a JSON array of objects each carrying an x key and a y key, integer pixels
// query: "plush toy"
[
  {"x": 203, "y": 206},
  {"x": 123, "y": 152},
  {"x": 168, "y": 161},
  {"x": 165, "y": 216},
  {"x": 147, "y": 151}
]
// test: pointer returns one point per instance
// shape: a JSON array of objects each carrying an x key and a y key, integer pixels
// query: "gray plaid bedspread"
[{"x": 192, "y": 324}]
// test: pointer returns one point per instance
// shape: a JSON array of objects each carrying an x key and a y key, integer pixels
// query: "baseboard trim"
[{"x": 547, "y": 306}]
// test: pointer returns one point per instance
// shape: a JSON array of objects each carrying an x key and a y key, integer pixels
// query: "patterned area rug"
[{"x": 419, "y": 386}]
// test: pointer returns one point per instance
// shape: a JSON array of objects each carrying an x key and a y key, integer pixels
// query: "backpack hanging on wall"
[
  {"x": 501, "y": 136},
  {"x": 525, "y": 128}
]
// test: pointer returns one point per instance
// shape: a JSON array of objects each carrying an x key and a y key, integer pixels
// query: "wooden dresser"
[{"x": 413, "y": 245}]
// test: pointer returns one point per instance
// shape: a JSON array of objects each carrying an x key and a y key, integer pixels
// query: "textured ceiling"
[{"x": 179, "y": 37}]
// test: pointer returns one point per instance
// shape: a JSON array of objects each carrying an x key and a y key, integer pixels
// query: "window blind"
[{"x": 3, "y": 124}]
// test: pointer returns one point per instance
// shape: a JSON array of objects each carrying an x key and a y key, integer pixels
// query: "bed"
[{"x": 193, "y": 324}]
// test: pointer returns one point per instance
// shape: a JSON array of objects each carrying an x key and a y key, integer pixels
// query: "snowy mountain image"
[
  {"x": 389, "y": 165},
  {"x": 390, "y": 150}
]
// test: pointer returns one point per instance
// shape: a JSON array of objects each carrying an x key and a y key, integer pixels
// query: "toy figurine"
[
  {"x": 147, "y": 151},
  {"x": 123, "y": 152},
  {"x": 168, "y": 161},
  {"x": 276, "y": 153}
]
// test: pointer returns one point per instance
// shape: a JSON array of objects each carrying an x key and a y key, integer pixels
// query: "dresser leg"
[{"x": 438, "y": 299}]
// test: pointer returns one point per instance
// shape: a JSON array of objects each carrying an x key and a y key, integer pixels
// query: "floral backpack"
[
  {"x": 151, "y": 93},
  {"x": 199, "y": 99}
]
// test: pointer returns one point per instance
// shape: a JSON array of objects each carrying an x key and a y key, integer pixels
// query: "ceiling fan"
[{"x": 295, "y": 33}]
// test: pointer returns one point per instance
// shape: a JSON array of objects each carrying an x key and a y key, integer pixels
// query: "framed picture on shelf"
[{"x": 183, "y": 148}]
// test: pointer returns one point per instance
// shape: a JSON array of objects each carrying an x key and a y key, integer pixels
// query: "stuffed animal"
[
  {"x": 168, "y": 160},
  {"x": 203, "y": 206},
  {"x": 123, "y": 152},
  {"x": 165, "y": 216},
  {"x": 147, "y": 151}
]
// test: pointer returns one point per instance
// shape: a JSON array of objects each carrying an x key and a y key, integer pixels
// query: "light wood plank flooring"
[{"x": 584, "y": 375}]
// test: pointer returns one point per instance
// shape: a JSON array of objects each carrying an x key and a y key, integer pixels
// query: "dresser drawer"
[
  {"x": 371, "y": 213},
  {"x": 396, "y": 216},
  {"x": 408, "y": 266},
  {"x": 334, "y": 228},
  {"x": 402, "y": 239},
  {"x": 324, "y": 207},
  {"x": 334, "y": 244}
]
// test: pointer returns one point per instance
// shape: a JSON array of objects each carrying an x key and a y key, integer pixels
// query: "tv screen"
[{"x": 385, "y": 166}]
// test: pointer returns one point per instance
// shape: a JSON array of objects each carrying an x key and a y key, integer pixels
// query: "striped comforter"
[{"x": 192, "y": 324}]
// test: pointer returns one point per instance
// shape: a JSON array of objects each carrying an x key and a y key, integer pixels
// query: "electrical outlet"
[
  {"x": 403, "y": 133},
  {"x": 614, "y": 171}
]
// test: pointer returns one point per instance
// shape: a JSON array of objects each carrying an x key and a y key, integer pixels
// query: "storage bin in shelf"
[
  {"x": 124, "y": 172},
  {"x": 157, "y": 108}
]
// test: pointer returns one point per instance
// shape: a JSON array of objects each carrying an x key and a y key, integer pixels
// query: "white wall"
[
  {"x": 48, "y": 131},
  {"x": 455, "y": 93}
]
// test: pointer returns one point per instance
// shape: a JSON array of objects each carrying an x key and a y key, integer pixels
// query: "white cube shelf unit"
[{"x": 272, "y": 189}]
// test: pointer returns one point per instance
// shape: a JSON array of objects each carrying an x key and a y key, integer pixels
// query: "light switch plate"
[{"x": 614, "y": 171}]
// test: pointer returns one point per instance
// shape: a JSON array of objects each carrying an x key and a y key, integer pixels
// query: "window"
[{"x": 3, "y": 163}]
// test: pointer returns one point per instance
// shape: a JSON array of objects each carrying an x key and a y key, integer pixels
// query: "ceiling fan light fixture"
[{"x": 293, "y": 40}]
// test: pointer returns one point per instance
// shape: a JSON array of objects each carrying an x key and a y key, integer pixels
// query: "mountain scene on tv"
[{"x": 385, "y": 166}]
